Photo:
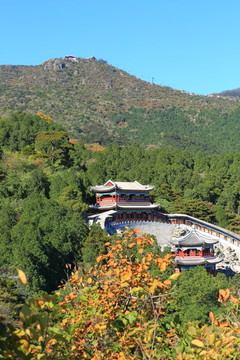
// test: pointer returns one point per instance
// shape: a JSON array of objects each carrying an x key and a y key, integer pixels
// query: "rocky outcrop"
[
  {"x": 230, "y": 257},
  {"x": 55, "y": 64}
]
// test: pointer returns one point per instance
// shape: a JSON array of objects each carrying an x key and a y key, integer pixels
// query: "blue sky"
[{"x": 186, "y": 44}]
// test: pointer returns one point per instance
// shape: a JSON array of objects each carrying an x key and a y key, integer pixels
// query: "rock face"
[
  {"x": 178, "y": 232},
  {"x": 231, "y": 259},
  {"x": 59, "y": 63},
  {"x": 55, "y": 64}
]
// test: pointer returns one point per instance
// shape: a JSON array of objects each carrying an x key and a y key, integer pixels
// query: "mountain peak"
[
  {"x": 99, "y": 102},
  {"x": 235, "y": 93}
]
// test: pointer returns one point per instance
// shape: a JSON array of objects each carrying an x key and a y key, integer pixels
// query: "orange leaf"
[
  {"x": 71, "y": 295},
  {"x": 223, "y": 295},
  {"x": 163, "y": 266},
  {"x": 179, "y": 356},
  {"x": 224, "y": 324},
  {"x": 233, "y": 299},
  {"x": 211, "y": 316},
  {"x": 214, "y": 320},
  {"x": 64, "y": 321},
  {"x": 167, "y": 282},
  {"x": 131, "y": 245}
]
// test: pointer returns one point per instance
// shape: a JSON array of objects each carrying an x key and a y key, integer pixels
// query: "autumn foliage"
[
  {"x": 117, "y": 311},
  {"x": 45, "y": 117},
  {"x": 120, "y": 304}
]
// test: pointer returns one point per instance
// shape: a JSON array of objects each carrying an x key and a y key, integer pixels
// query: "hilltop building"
[
  {"x": 71, "y": 58},
  {"x": 130, "y": 200}
]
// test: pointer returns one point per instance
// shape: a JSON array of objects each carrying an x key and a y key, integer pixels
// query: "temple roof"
[
  {"x": 194, "y": 238},
  {"x": 197, "y": 260},
  {"x": 129, "y": 206},
  {"x": 113, "y": 185},
  {"x": 139, "y": 206}
]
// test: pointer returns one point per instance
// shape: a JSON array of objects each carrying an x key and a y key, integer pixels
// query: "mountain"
[
  {"x": 100, "y": 103},
  {"x": 230, "y": 93}
]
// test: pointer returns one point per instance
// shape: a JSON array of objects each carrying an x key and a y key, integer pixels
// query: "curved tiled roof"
[
  {"x": 129, "y": 206},
  {"x": 124, "y": 185},
  {"x": 197, "y": 260},
  {"x": 139, "y": 206},
  {"x": 194, "y": 238}
]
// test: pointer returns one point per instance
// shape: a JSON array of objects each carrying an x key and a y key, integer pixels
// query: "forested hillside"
[
  {"x": 97, "y": 102},
  {"x": 138, "y": 309},
  {"x": 45, "y": 190}
]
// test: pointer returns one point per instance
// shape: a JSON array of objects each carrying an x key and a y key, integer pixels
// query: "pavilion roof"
[
  {"x": 197, "y": 260},
  {"x": 194, "y": 238},
  {"x": 139, "y": 206},
  {"x": 121, "y": 185},
  {"x": 133, "y": 206}
]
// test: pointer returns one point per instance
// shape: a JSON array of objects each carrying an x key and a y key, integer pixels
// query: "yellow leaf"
[
  {"x": 126, "y": 276},
  {"x": 211, "y": 338},
  {"x": 22, "y": 277},
  {"x": 175, "y": 276},
  {"x": 24, "y": 345},
  {"x": 40, "y": 356},
  {"x": 197, "y": 343}
]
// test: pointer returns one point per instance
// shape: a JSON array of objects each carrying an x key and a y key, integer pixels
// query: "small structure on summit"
[
  {"x": 71, "y": 58},
  {"x": 195, "y": 249}
]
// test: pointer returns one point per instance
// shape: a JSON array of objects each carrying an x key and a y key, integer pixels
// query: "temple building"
[
  {"x": 129, "y": 200},
  {"x": 195, "y": 249}
]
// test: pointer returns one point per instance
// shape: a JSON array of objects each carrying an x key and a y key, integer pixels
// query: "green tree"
[
  {"x": 19, "y": 130},
  {"x": 221, "y": 216},
  {"x": 196, "y": 295},
  {"x": 46, "y": 237},
  {"x": 54, "y": 145},
  {"x": 196, "y": 208},
  {"x": 94, "y": 245}
]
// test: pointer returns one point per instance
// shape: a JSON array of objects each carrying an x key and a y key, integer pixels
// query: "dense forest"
[
  {"x": 207, "y": 129},
  {"x": 45, "y": 184}
]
